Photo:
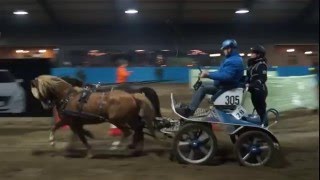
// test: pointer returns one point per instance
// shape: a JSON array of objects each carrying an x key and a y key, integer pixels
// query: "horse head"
[{"x": 49, "y": 90}]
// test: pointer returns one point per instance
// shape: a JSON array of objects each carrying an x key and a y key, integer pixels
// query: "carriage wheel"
[
  {"x": 195, "y": 143},
  {"x": 254, "y": 148}
]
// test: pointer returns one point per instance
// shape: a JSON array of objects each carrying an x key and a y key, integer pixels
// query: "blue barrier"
[
  {"x": 107, "y": 75},
  {"x": 293, "y": 70},
  {"x": 173, "y": 74}
]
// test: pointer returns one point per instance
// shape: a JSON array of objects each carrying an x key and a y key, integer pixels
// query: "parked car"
[{"x": 12, "y": 94}]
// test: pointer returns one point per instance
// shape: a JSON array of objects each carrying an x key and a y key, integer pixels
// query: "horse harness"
[{"x": 84, "y": 97}]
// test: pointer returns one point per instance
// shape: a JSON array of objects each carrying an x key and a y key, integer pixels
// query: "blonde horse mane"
[{"x": 48, "y": 82}]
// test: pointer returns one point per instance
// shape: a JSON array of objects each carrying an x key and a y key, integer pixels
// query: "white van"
[{"x": 12, "y": 94}]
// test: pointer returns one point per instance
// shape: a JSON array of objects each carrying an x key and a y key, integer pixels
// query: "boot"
[{"x": 185, "y": 112}]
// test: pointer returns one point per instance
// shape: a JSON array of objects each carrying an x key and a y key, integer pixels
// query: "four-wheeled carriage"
[{"x": 195, "y": 142}]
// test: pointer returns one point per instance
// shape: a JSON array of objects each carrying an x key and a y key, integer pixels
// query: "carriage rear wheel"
[
  {"x": 195, "y": 143},
  {"x": 254, "y": 148}
]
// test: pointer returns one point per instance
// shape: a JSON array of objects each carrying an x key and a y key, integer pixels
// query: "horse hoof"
[
  {"x": 52, "y": 144},
  {"x": 131, "y": 146},
  {"x": 137, "y": 153},
  {"x": 171, "y": 157},
  {"x": 89, "y": 156}
]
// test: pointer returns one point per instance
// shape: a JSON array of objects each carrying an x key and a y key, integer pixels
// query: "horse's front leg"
[
  {"x": 53, "y": 130},
  {"x": 78, "y": 129}
]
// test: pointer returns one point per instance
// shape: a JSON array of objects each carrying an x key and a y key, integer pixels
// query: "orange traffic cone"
[{"x": 114, "y": 131}]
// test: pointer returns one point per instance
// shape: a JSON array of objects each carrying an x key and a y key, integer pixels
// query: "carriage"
[{"x": 195, "y": 142}]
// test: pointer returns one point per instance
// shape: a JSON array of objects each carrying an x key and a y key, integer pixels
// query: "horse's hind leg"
[
  {"x": 138, "y": 136},
  {"x": 125, "y": 134}
]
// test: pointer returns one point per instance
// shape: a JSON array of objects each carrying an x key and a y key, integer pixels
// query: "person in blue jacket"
[{"x": 229, "y": 75}]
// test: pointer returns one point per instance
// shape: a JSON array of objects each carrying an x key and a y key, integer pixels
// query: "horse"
[
  {"x": 125, "y": 110},
  {"x": 150, "y": 93}
]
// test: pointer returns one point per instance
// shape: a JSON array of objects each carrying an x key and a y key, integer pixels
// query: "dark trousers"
[{"x": 258, "y": 98}]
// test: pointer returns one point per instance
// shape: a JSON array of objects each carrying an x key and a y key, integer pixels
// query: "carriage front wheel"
[
  {"x": 254, "y": 148},
  {"x": 195, "y": 143}
]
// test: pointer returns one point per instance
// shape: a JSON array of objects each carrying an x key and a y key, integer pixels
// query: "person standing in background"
[
  {"x": 159, "y": 68},
  {"x": 122, "y": 74}
]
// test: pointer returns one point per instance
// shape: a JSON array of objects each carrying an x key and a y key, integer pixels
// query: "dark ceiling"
[{"x": 107, "y": 12}]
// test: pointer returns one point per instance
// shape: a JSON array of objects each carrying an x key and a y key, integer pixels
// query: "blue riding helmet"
[{"x": 229, "y": 43}]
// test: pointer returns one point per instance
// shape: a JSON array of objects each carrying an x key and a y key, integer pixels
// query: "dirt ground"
[{"x": 25, "y": 152}]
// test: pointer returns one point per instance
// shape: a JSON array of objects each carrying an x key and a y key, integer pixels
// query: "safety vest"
[{"x": 122, "y": 74}]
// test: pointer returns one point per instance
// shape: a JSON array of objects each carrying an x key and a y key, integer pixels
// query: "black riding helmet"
[{"x": 258, "y": 49}]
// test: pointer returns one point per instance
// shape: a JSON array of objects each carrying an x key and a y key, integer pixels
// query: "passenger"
[{"x": 256, "y": 80}]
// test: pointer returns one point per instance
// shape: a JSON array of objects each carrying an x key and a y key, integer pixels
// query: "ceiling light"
[
  {"x": 290, "y": 50},
  {"x": 19, "y": 51},
  {"x": 165, "y": 50},
  {"x": 20, "y": 12},
  {"x": 241, "y": 54},
  {"x": 242, "y": 11},
  {"x": 42, "y": 51},
  {"x": 139, "y": 50},
  {"x": 215, "y": 55},
  {"x": 249, "y": 54},
  {"x": 131, "y": 11},
  {"x": 25, "y": 51},
  {"x": 308, "y": 52},
  {"x": 93, "y": 51}
]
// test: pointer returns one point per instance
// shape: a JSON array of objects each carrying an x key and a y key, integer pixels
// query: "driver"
[{"x": 228, "y": 76}]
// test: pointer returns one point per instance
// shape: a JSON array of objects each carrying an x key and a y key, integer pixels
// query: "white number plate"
[
  {"x": 1, "y": 103},
  {"x": 239, "y": 112}
]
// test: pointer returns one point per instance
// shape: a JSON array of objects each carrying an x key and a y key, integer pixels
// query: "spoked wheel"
[
  {"x": 254, "y": 148},
  {"x": 194, "y": 143}
]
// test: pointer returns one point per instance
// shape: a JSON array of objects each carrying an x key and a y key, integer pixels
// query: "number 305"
[{"x": 232, "y": 100}]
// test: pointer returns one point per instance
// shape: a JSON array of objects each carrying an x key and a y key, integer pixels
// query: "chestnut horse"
[
  {"x": 150, "y": 93},
  {"x": 126, "y": 111}
]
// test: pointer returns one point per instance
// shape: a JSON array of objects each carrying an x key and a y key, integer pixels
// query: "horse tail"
[
  {"x": 147, "y": 112},
  {"x": 153, "y": 98}
]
